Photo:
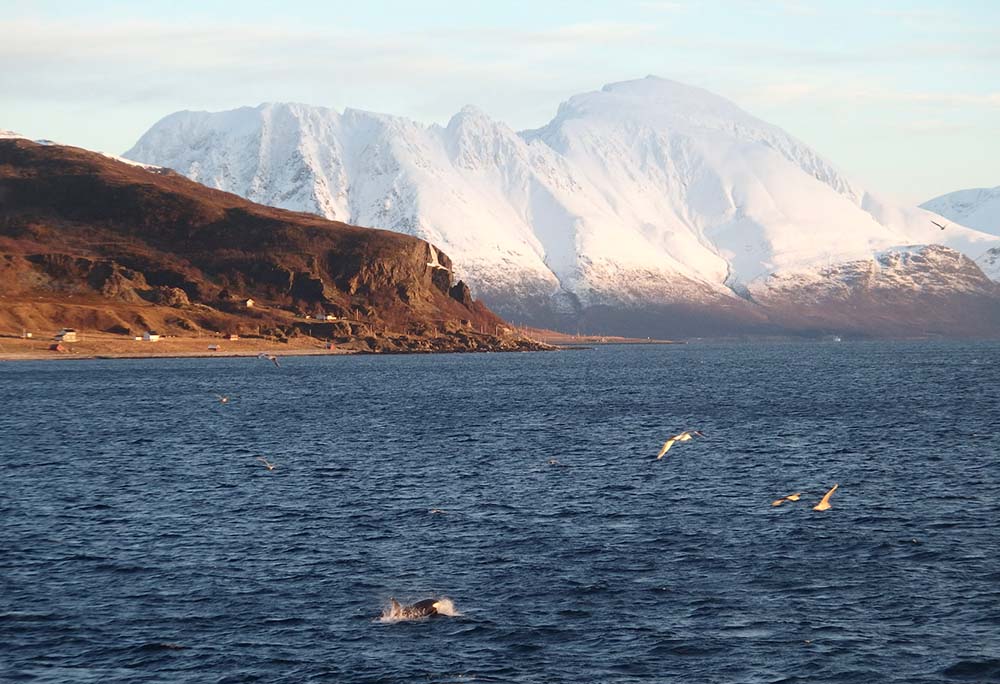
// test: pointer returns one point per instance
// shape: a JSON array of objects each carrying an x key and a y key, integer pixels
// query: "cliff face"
[{"x": 101, "y": 242}]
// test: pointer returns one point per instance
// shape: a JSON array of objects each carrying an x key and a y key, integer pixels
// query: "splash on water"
[{"x": 444, "y": 606}]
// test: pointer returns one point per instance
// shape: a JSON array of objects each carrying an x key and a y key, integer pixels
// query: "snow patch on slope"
[{"x": 148, "y": 167}]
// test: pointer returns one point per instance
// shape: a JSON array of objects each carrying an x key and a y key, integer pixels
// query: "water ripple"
[{"x": 142, "y": 541}]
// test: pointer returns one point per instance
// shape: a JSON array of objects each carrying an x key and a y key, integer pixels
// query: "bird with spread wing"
[{"x": 685, "y": 436}]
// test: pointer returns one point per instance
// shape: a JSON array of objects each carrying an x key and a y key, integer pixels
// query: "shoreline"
[
  {"x": 567, "y": 340},
  {"x": 70, "y": 356},
  {"x": 102, "y": 346},
  {"x": 92, "y": 356}
]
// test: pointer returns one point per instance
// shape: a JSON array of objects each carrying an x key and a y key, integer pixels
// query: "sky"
[{"x": 904, "y": 97}]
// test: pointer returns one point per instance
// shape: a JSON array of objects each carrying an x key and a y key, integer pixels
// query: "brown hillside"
[{"x": 91, "y": 242}]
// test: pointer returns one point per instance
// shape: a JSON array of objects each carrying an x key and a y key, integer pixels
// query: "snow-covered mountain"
[
  {"x": 977, "y": 208},
  {"x": 646, "y": 201}
]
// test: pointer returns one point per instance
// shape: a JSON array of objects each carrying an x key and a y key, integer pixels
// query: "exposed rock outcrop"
[{"x": 170, "y": 296}]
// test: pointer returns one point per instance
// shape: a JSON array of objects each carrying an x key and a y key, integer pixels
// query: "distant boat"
[{"x": 837, "y": 339}]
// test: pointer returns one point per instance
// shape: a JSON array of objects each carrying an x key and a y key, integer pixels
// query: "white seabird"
[{"x": 685, "y": 436}]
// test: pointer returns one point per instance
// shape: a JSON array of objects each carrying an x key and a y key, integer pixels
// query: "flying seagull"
[
  {"x": 270, "y": 466},
  {"x": 679, "y": 437},
  {"x": 791, "y": 497},
  {"x": 434, "y": 263},
  {"x": 824, "y": 503},
  {"x": 270, "y": 357},
  {"x": 937, "y": 224}
]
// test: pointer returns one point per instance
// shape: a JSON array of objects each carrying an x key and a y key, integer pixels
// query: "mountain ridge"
[{"x": 644, "y": 194}]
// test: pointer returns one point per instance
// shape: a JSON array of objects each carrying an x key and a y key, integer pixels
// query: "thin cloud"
[
  {"x": 936, "y": 126},
  {"x": 801, "y": 8},
  {"x": 663, "y": 6},
  {"x": 600, "y": 32},
  {"x": 169, "y": 66},
  {"x": 911, "y": 14},
  {"x": 801, "y": 91}
]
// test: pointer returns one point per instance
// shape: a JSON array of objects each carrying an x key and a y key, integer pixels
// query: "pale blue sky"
[{"x": 903, "y": 96}]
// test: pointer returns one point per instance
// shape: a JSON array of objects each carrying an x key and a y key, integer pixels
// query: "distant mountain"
[
  {"x": 93, "y": 242},
  {"x": 977, "y": 208},
  {"x": 646, "y": 208}
]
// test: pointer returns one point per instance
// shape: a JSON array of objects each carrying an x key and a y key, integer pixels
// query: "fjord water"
[{"x": 142, "y": 541}]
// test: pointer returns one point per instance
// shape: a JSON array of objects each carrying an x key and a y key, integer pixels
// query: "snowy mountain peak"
[
  {"x": 475, "y": 140},
  {"x": 471, "y": 121},
  {"x": 661, "y": 113},
  {"x": 660, "y": 104},
  {"x": 471, "y": 112},
  {"x": 655, "y": 95}
]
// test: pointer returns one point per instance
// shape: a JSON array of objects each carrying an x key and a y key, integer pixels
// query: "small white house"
[
  {"x": 249, "y": 303},
  {"x": 66, "y": 335},
  {"x": 151, "y": 336}
]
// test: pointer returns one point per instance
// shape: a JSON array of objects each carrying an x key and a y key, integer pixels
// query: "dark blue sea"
[{"x": 141, "y": 540}]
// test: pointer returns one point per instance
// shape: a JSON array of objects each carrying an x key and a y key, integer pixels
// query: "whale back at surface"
[
  {"x": 422, "y": 608},
  {"x": 414, "y": 611}
]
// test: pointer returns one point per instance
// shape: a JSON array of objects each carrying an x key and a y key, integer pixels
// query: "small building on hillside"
[
  {"x": 249, "y": 303},
  {"x": 151, "y": 336},
  {"x": 67, "y": 335},
  {"x": 233, "y": 337}
]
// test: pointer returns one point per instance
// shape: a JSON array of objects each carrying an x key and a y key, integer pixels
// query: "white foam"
[{"x": 445, "y": 606}]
